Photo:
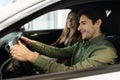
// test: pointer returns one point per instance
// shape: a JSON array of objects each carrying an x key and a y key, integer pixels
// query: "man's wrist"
[
  {"x": 33, "y": 56},
  {"x": 33, "y": 43}
]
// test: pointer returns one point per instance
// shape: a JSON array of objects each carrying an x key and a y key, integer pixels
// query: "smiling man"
[{"x": 94, "y": 51}]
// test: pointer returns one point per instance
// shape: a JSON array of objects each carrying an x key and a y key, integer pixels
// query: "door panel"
[{"x": 45, "y": 36}]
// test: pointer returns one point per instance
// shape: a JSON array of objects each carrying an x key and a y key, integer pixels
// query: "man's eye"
[{"x": 83, "y": 23}]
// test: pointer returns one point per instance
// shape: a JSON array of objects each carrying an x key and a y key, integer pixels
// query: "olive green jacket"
[{"x": 84, "y": 54}]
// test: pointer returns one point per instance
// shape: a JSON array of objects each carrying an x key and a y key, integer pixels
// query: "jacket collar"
[{"x": 97, "y": 39}]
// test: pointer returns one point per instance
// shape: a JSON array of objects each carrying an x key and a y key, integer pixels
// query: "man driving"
[{"x": 92, "y": 52}]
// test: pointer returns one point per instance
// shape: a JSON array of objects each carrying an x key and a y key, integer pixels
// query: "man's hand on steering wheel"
[{"x": 28, "y": 41}]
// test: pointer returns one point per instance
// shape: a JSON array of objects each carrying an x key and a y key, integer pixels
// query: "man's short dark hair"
[{"x": 94, "y": 13}]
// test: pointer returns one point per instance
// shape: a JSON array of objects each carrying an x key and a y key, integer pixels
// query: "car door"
[
  {"x": 45, "y": 36},
  {"x": 47, "y": 27}
]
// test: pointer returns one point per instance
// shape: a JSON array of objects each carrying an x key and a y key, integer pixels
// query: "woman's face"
[{"x": 71, "y": 20}]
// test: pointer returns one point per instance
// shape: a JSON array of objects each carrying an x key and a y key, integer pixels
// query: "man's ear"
[{"x": 98, "y": 22}]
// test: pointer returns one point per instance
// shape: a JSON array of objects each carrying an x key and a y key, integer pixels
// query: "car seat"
[{"x": 113, "y": 31}]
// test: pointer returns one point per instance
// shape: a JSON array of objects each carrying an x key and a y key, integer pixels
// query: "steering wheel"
[
  {"x": 23, "y": 68},
  {"x": 6, "y": 47},
  {"x": 14, "y": 41}
]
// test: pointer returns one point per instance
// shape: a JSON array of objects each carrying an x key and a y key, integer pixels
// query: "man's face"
[{"x": 87, "y": 28}]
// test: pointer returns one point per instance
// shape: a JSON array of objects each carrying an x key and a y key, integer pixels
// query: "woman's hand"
[
  {"x": 22, "y": 53},
  {"x": 28, "y": 41}
]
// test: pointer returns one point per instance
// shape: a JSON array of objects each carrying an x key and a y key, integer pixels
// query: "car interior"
[
  {"x": 49, "y": 36},
  {"x": 113, "y": 31}
]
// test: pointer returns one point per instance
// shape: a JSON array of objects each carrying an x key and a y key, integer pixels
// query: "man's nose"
[{"x": 79, "y": 27}]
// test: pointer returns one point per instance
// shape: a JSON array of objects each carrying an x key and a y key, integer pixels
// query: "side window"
[{"x": 51, "y": 20}]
